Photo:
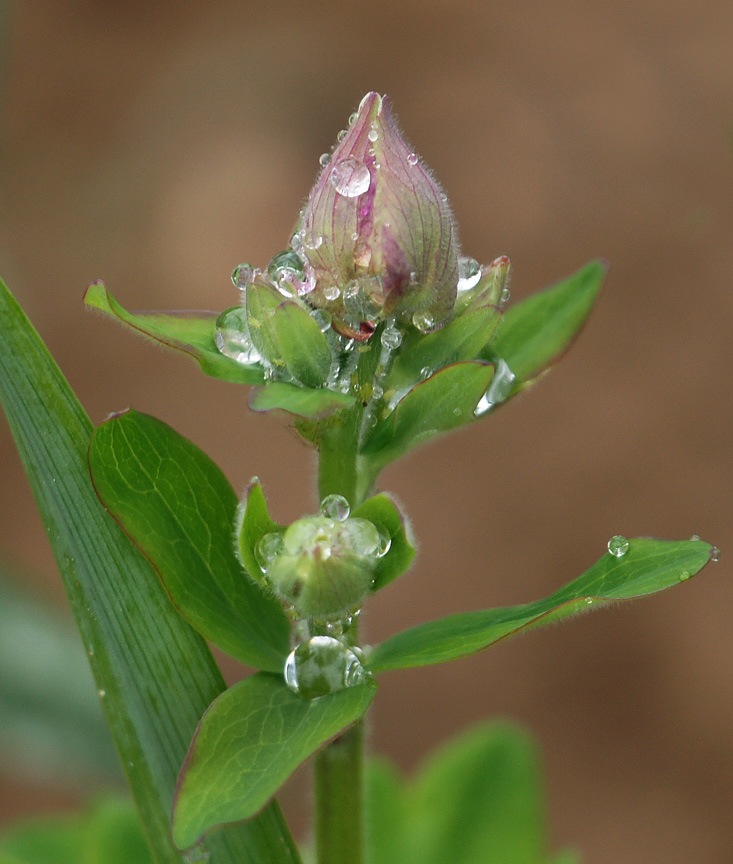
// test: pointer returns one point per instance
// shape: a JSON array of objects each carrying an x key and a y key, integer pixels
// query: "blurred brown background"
[{"x": 156, "y": 145}]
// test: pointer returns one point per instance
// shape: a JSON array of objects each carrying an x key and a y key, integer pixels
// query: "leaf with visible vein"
[
  {"x": 248, "y": 743},
  {"x": 648, "y": 566},
  {"x": 178, "y": 508},
  {"x": 156, "y": 674},
  {"x": 191, "y": 332}
]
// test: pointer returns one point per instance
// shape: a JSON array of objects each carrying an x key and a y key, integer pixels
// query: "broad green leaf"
[
  {"x": 248, "y": 743},
  {"x": 536, "y": 332},
  {"x": 460, "y": 340},
  {"x": 382, "y": 511},
  {"x": 191, "y": 332},
  {"x": 478, "y": 801},
  {"x": 442, "y": 402},
  {"x": 312, "y": 404},
  {"x": 303, "y": 345},
  {"x": 386, "y": 814},
  {"x": 155, "y": 674},
  {"x": 252, "y": 523},
  {"x": 178, "y": 508},
  {"x": 648, "y": 566}
]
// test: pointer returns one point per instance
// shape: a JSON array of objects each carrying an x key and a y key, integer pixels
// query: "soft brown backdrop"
[{"x": 158, "y": 144}]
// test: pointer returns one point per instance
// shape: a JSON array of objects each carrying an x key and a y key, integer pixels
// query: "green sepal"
[
  {"x": 261, "y": 301},
  {"x": 536, "y": 332},
  {"x": 444, "y": 401},
  {"x": 251, "y": 524},
  {"x": 648, "y": 566},
  {"x": 303, "y": 345},
  {"x": 191, "y": 332},
  {"x": 178, "y": 508},
  {"x": 462, "y": 339},
  {"x": 248, "y": 743},
  {"x": 311, "y": 404},
  {"x": 382, "y": 511}
]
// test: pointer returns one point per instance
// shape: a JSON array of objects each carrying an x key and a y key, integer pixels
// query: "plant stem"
[
  {"x": 339, "y": 766},
  {"x": 339, "y": 799}
]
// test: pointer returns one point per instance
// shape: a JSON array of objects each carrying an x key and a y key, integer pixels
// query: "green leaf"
[
  {"x": 178, "y": 508},
  {"x": 478, "y": 801},
  {"x": 248, "y": 743},
  {"x": 460, "y": 340},
  {"x": 382, "y": 511},
  {"x": 252, "y": 523},
  {"x": 648, "y": 566},
  {"x": 537, "y": 332},
  {"x": 312, "y": 404},
  {"x": 109, "y": 833},
  {"x": 191, "y": 332},
  {"x": 386, "y": 837},
  {"x": 442, "y": 402},
  {"x": 303, "y": 345},
  {"x": 155, "y": 673}
]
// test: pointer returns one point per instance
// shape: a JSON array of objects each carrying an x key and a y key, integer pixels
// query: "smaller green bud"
[{"x": 324, "y": 567}]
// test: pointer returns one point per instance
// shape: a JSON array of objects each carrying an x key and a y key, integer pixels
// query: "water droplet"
[
  {"x": 385, "y": 542},
  {"x": 313, "y": 242},
  {"x": 196, "y": 854},
  {"x": 589, "y": 601},
  {"x": 371, "y": 152},
  {"x": 425, "y": 372},
  {"x": 358, "y": 536},
  {"x": 457, "y": 412},
  {"x": 412, "y": 159},
  {"x": 335, "y": 507},
  {"x": 618, "y": 546},
  {"x": 715, "y": 554},
  {"x": 322, "y": 665},
  {"x": 232, "y": 337},
  {"x": 90, "y": 652},
  {"x": 324, "y": 159},
  {"x": 331, "y": 292},
  {"x": 424, "y": 321},
  {"x": 505, "y": 295},
  {"x": 242, "y": 275},
  {"x": 101, "y": 693},
  {"x": 322, "y": 318},
  {"x": 341, "y": 135},
  {"x": 377, "y": 392},
  {"x": 469, "y": 273},
  {"x": 391, "y": 337},
  {"x": 499, "y": 390},
  {"x": 685, "y": 575},
  {"x": 352, "y": 118},
  {"x": 287, "y": 272},
  {"x": 269, "y": 547},
  {"x": 695, "y": 537},
  {"x": 350, "y": 178},
  {"x": 373, "y": 135}
]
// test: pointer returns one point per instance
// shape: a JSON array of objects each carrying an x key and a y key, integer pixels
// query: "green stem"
[
  {"x": 339, "y": 799},
  {"x": 339, "y": 767}
]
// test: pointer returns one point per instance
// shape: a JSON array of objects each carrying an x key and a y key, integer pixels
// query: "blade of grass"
[{"x": 154, "y": 673}]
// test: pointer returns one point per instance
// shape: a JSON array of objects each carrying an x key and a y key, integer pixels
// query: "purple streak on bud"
[{"x": 381, "y": 214}]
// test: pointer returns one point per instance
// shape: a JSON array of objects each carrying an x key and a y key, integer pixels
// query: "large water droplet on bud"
[{"x": 323, "y": 665}]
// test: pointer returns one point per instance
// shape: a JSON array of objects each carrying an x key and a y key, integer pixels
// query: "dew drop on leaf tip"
[{"x": 618, "y": 546}]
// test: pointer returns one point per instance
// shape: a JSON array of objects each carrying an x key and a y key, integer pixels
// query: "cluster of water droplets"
[{"x": 323, "y": 660}]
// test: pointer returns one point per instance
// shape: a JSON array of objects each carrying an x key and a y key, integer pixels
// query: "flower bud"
[
  {"x": 322, "y": 567},
  {"x": 378, "y": 232}
]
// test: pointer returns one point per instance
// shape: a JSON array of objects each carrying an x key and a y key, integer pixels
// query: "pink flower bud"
[{"x": 378, "y": 232}]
